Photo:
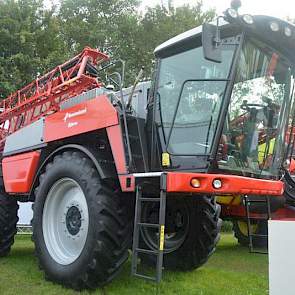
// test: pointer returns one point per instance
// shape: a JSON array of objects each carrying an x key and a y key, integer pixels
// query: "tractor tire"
[
  {"x": 80, "y": 230},
  {"x": 8, "y": 221},
  {"x": 192, "y": 231},
  {"x": 241, "y": 233}
]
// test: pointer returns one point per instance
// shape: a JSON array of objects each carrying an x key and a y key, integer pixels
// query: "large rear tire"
[
  {"x": 8, "y": 221},
  {"x": 191, "y": 234},
  {"x": 80, "y": 229}
]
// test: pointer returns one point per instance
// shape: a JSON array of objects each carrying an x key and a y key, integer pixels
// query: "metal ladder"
[
  {"x": 138, "y": 224},
  {"x": 252, "y": 235}
]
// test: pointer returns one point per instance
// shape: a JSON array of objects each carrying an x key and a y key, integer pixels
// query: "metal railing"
[{"x": 24, "y": 229}]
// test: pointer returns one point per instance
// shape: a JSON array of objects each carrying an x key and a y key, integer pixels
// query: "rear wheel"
[
  {"x": 79, "y": 225},
  {"x": 240, "y": 229},
  {"x": 8, "y": 221},
  {"x": 191, "y": 233}
]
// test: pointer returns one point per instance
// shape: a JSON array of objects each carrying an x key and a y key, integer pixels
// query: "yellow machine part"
[
  {"x": 165, "y": 159},
  {"x": 229, "y": 200},
  {"x": 243, "y": 227}
]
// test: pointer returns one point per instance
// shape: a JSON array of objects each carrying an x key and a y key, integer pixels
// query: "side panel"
[
  {"x": 116, "y": 141},
  {"x": 87, "y": 116},
  {"x": 27, "y": 138},
  {"x": 19, "y": 172},
  {"x": 117, "y": 146}
]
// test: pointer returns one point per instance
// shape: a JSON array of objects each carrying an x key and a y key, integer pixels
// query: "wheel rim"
[
  {"x": 176, "y": 225},
  {"x": 243, "y": 227},
  {"x": 65, "y": 221}
]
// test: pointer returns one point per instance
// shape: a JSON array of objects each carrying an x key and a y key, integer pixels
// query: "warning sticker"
[{"x": 162, "y": 237}]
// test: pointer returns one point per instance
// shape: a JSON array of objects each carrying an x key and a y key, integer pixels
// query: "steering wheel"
[{"x": 246, "y": 106}]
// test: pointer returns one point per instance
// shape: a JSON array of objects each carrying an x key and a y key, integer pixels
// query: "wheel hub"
[
  {"x": 176, "y": 228},
  {"x": 73, "y": 220}
]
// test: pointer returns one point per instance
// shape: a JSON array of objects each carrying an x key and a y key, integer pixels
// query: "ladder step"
[
  {"x": 259, "y": 218},
  {"x": 259, "y": 235},
  {"x": 149, "y": 224},
  {"x": 265, "y": 217},
  {"x": 145, "y": 277},
  {"x": 146, "y": 251},
  {"x": 259, "y": 252},
  {"x": 139, "y": 224},
  {"x": 256, "y": 201},
  {"x": 150, "y": 199}
]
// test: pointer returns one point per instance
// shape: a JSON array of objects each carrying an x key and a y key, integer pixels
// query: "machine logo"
[
  {"x": 74, "y": 114},
  {"x": 72, "y": 124}
]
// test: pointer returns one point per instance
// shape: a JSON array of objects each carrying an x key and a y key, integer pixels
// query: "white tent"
[{"x": 25, "y": 213}]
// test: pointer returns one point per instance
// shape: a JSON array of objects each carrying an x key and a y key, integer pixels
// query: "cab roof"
[
  {"x": 178, "y": 39},
  {"x": 260, "y": 29}
]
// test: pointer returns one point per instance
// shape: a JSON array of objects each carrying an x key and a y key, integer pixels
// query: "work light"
[
  {"x": 217, "y": 183},
  {"x": 231, "y": 14},
  {"x": 288, "y": 32},
  {"x": 195, "y": 183},
  {"x": 274, "y": 26},
  {"x": 248, "y": 19}
]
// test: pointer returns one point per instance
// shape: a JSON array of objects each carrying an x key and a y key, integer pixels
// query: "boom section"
[{"x": 44, "y": 95}]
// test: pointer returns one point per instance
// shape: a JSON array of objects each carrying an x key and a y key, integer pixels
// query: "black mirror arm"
[{"x": 217, "y": 39}]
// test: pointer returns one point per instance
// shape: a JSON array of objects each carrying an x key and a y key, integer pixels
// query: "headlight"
[{"x": 217, "y": 183}]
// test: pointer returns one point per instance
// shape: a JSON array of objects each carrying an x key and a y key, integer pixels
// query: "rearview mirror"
[{"x": 211, "y": 43}]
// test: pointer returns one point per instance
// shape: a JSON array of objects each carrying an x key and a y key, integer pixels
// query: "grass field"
[{"x": 230, "y": 271}]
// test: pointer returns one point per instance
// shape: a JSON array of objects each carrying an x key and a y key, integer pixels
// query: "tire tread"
[{"x": 111, "y": 246}]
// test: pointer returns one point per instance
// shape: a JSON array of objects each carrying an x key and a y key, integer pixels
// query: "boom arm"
[{"x": 44, "y": 95}]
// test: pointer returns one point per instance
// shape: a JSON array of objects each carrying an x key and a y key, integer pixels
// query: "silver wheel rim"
[{"x": 65, "y": 221}]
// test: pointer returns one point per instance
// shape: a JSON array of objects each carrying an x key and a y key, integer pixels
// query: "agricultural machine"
[{"x": 109, "y": 172}]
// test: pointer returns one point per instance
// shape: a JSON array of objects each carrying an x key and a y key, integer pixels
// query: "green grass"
[{"x": 230, "y": 271}]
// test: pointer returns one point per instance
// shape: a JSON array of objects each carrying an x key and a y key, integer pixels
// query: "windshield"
[
  {"x": 190, "y": 92},
  {"x": 253, "y": 139}
]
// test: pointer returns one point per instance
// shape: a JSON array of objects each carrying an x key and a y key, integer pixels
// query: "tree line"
[{"x": 35, "y": 36}]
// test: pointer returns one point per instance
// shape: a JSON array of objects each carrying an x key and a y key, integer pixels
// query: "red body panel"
[
  {"x": 231, "y": 184},
  {"x": 116, "y": 141},
  {"x": 87, "y": 116},
  {"x": 124, "y": 179},
  {"x": 240, "y": 212},
  {"x": 19, "y": 172}
]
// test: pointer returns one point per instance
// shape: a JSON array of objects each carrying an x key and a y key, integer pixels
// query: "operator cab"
[{"x": 229, "y": 112}]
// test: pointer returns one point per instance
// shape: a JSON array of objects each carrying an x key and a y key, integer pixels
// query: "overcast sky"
[{"x": 281, "y": 8}]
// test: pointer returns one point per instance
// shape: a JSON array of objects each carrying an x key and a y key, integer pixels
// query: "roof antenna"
[{"x": 236, "y": 4}]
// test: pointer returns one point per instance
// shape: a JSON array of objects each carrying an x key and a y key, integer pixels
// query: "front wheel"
[
  {"x": 79, "y": 225},
  {"x": 192, "y": 231}
]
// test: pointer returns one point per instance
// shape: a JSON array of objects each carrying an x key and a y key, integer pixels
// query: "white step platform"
[{"x": 281, "y": 251}]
